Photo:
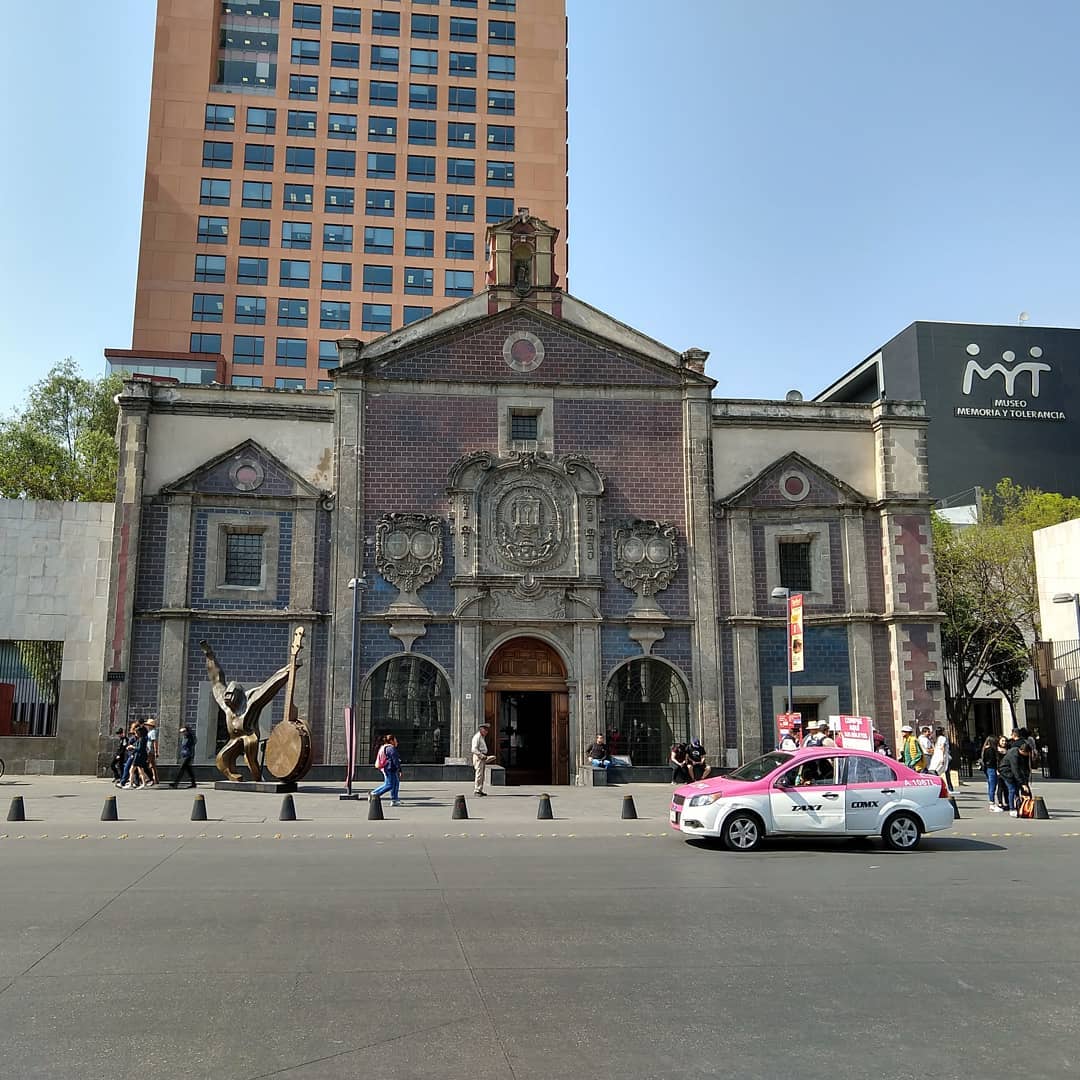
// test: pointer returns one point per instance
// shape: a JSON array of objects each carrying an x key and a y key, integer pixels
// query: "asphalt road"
[{"x": 537, "y": 956}]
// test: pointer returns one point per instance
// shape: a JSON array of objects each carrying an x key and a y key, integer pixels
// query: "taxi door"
[
  {"x": 871, "y": 791},
  {"x": 809, "y": 798}
]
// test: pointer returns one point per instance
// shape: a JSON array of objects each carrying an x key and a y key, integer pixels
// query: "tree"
[
  {"x": 988, "y": 594},
  {"x": 62, "y": 444}
]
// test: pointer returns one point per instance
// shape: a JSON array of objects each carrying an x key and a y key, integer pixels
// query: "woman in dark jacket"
[
  {"x": 680, "y": 764},
  {"x": 989, "y": 758},
  {"x": 1015, "y": 768}
]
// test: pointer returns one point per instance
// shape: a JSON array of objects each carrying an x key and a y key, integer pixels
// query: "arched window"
[
  {"x": 648, "y": 710},
  {"x": 409, "y": 696}
]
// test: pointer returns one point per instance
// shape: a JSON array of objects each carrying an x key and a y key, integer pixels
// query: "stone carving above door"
[
  {"x": 409, "y": 554},
  {"x": 527, "y": 515},
  {"x": 645, "y": 555}
]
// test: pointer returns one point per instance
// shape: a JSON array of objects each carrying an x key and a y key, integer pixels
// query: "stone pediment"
[
  {"x": 526, "y": 515},
  {"x": 791, "y": 482},
  {"x": 246, "y": 469},
  {"x": 518, "y": 345}
]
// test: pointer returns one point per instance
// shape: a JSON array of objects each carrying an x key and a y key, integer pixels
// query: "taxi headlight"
[{"x": 703, "y": 800}]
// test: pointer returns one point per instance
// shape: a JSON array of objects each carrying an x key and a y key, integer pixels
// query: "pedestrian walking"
[
  {"x": 911, "y": 752},
  {"x": 988, "y": 759},
  {"x": 119, "y": 757},
  {"x": 187, "y": 753},
  {"x": 390, "y": 768},
  {"x": 138, "y": 777},
  {"x": 151, "y": 749},
  {"x": 940, "y": 756},
  {"x": 481, "y": 759}
]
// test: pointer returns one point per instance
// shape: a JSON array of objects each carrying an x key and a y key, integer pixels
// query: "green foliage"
[
  {"x": 62, "y": 444},
  {"x": 987, "y": 591}
]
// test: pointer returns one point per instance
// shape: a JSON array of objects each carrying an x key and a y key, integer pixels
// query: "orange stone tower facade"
[{"x": 320, "y": 170}]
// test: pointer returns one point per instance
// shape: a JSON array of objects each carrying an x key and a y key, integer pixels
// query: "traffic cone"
[
  {"x": 374, "y": 808},
  {"x": 198, "y": 808},
  {"x": 543, "y": 811},
  {"x": 108, "y": 811},
  {"x": 1041, "y": 813},
  {"x": 16, "y": 812},
  {"x": 288, "y": 809},
  {"x": 461, "y": 811},
  {"x": 629, "y": 810}
]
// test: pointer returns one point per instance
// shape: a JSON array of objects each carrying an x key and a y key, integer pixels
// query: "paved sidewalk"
[{"x": 57, "y": 805}]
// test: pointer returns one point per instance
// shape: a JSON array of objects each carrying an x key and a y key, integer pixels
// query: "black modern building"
[{"x": 1002, "y": 401}]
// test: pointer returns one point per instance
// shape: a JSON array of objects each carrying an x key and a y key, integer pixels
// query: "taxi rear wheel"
[
  {"x": 902, "y": 832},
  {"x": 743, "y": 832}
]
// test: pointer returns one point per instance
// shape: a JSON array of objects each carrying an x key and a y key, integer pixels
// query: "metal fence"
[
  {"x": 29, "y": 686},
  {"x": 1057, "y": 672}
]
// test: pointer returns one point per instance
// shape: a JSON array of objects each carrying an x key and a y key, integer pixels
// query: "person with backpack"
[
  {"x": 388, "y": 762},
  {"x": 911, "y": 752},
  {"x": 186, "y": 750}
]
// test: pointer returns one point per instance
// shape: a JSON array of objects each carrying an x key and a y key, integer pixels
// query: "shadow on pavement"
[{"x": 852, "y": 845}]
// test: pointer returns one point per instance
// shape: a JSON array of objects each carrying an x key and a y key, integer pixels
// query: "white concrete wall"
[
  {"x": 55, "y": 560},
  {"x": 1057, "y": 570}
]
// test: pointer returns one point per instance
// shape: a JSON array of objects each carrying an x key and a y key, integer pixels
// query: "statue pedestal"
[{"x": 272, "y": 787}]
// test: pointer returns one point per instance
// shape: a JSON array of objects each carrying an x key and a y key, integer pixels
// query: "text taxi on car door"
[{"x": 815, "y": 792}]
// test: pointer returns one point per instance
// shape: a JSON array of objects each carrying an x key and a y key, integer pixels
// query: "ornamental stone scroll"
[
  {"x": 645, "y": 554},
  {"x": 409, "y": 554}
]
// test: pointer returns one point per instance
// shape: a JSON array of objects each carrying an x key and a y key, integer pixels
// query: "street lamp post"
[
  {"x": 356, "y": 584},
  {"x": 780, "y": 593}
]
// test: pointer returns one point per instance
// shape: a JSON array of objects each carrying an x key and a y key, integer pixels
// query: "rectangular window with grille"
[
  {"x": 524, "y": 426},
  {"x": 794, "y": 559},
  {"x": 243, "y": 559}
]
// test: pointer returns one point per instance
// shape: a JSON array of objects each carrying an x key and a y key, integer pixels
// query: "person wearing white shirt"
[{"x": 480, "y": 759}]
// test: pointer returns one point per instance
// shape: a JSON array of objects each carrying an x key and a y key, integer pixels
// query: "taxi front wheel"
[
  {"x": 743, "y": 832},
  {"x": 902, "y": 832}
]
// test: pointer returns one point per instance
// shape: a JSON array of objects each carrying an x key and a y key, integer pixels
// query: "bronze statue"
[{"x": 242, "y": 709}]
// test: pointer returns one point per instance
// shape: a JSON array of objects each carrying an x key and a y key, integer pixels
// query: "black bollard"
[
  {"x": 198, "y": 808},
  {"x": 288, "y": 809},
  {"x": 16, "y": 812},
  {"x": 543, "y": 811},
  {"x": 955, "y": 809},
  {"x": 1041, "y": 813},
  {"x": 629, "y": 810},
  {"x": 108, "y": 811},
  {"x": 461, "y": 810},
  {"x": 374, "y": 808}
]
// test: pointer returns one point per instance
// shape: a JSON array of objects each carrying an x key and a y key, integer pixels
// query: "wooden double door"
[{"x": 527, "y": 708}]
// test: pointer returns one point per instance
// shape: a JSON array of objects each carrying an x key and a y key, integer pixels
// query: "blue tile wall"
[
  {"x": 317, "y": 657},
  {"x": 203, "y": 520},
  {"x": 826, "y": 651},
  {"x": 323, "y": 533},
  {"x": 144, "y": 669},
  {"x": 150, "y": 574}
]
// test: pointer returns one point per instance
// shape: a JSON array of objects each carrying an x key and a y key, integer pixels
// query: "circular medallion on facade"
[
  {"x": 247, "y": 475},
  {"x": 396, "y": 545},
  {"x": 794, "y": 486},
  {"x": 658, "y": 550},
  {"x": 633, "y": 550},
  {"x": 422, "y": 545},
  {"x": 523, "y": 351}
]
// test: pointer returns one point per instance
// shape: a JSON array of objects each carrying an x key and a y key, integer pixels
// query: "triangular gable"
[
  {"x": 246, "y": 469},
  {"x": 790, "y": 482},
  {"x": 483, "y": 350}
]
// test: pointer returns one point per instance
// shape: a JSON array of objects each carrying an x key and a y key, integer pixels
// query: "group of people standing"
[
  {"x": 926, "y": 752},
  {"x": 134, "y": 763},
  {"x": 1007, "y": 763}
]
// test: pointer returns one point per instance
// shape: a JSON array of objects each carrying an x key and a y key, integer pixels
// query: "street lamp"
[
  {"x": 1070, "y": 598},
  {"x": 780, "y": 593},
  {"x": 356, "y": 584}
]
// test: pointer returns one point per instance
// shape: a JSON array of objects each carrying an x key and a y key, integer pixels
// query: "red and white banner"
[
  {"x": 854, "y": 732},
  {"x": 795, "y": 632},
  {"x": 788, "y": 724}
]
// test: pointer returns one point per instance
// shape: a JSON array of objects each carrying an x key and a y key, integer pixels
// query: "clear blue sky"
[{"x": 786, "y": 184}]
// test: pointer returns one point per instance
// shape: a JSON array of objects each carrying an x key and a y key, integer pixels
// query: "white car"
[{"x": 823, "y": 791}]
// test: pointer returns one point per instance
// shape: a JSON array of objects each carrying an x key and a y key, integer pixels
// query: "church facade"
[{"x": 522, "y": 511}]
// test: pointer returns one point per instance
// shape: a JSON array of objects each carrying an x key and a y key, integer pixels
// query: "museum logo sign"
[{"x": 1019, "y": 383}]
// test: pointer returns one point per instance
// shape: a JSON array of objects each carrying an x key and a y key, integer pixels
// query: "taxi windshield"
[{"x": 759, "y": 767}]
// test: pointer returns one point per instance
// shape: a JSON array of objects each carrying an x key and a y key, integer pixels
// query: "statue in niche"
[
  {"x": 242, "y": 709},
  {"x": 522, "y": 275}
]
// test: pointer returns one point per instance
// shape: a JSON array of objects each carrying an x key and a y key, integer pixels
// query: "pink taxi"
[{"x": 823, "y": 791}]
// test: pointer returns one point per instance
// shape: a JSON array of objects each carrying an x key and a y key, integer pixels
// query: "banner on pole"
[
  {"x": 854, "y": 732},
  {"x": 795, "y": 635},
  {"x": 788, "y": 724}
]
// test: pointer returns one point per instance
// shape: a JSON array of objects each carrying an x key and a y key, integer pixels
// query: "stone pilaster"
[
  {"x": 171, "y": 684},
  {"x": 747, "y": 692}
]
